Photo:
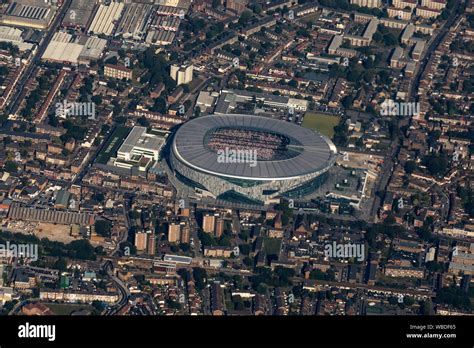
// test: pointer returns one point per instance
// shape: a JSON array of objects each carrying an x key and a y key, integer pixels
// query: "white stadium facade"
[{"x": 250, "y": 158}]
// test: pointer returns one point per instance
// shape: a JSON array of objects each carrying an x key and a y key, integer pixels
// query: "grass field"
[
  {"x": 311, "y": 18},
  {"x": 272, "y": 246},
  {"x": 113, "y": 144},
  {"x": 67, "y": 309},
  {"x": 322, "y": 123}
]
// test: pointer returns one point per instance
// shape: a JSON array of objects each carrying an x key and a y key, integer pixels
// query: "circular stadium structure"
[{"x": 250, "y": 159}]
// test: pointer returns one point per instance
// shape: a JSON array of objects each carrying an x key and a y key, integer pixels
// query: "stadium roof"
[{"x": 314, "y": 152}]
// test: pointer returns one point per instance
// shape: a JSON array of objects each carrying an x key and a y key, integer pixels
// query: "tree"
[
  {"x": 98, "y": 197},
  {"x": 261, "y": 288},
  {"x": 286, "y": 210},
  {"x": 186, "y": 88},
  {"x": 206, "y": 239},
  {"x": 297, "y": 291},
  {"x": 293, "y": 83},
  {"x": 53, "y": 120},
  {"x": 9, "y": 305},
  {"x": 389, "y": 220},
  {"x": 113, "y": 60},
  {"x": 426, "y": 308},
  {"x": 184, "y": 274},
  {"x": 143, "y": 121},
  {"x": 133, "y": 214},
  {"x": 184, "y": 247},
  {"x": 377, "y": 37},
  {"x": 10, "y": 167},
  {"x": 390, "y": 39},
  {"x": 347, "y": 101},
  {"x": 248, "y": 261},
  {"x": 200, "y": 277},
  {"x": 408, "y": 301},
  {"x": 159, "y": 106},
  {"x": 103, "y": 227},
  {"x": 81, "y": 249},
  {"x": 436, "y": 164},
  {"x": 97, "y": 99},
  {"x": 244, "y": 17},
  {"x": 393, "y": 300},
  {"x": 453, "y": 296},
  {"x": 197, "y": 111},
  {"x": 244, "y": 249},
  {"x": 173, "y": 304},
  {"x": 244, "y": 235},
  {"x": 60, "y": 265},
  {"x": 320, "y": 275},
  {"x": 238, "y": 303},
  {"x": 122, "y": 53},
  {"x": 98, "y": 305},
  {"x": 410, "y": 167}
]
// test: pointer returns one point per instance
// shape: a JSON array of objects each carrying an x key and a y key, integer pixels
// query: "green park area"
[
  {"x": 113, "y": 144},
  {"x": 322, "y": 123},
  {"x": 272, "y": 246}
]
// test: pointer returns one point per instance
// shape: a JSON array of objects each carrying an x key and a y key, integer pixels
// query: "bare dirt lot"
[{"x": 59, "y": 233}]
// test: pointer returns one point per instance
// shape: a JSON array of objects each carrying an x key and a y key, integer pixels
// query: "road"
[
  {"x": 127, "y": 225},
  {"x": 193, "y": 227},
  {"x": 431, "y": 48},
  {"x": 385, "y": 176},
  {"x": 16, "y": 100},
  {"x": 387, "y": 171},
  {"x": 15, "y": 310},
  {"x": 124, "y": 292},
  {"x": 374, "y": 288}
]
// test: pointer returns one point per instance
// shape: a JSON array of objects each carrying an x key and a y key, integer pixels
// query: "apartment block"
[
  {"x": 426, "y": 12},
  {"x": 181, "y": 74},
  {"x": 434, "y": 4},
  {"x": 174, "y": 233},
  {"x": 405, "y": 3},
  {"x": 367, "y": 3},
  {"x": 118, "y": 72},
  {"x": 209, "y": 223}
]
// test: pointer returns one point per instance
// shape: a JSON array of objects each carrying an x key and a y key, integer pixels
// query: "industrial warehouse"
[
  {"x": 18, "y": 212},
  {"x": 36, "y": 14}
]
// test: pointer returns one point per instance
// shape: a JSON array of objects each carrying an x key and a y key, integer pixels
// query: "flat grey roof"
[
  {"x": 177, "y": 258},
  {"x": 316, "y": 152},
  {"x": 138, "y": 137}
]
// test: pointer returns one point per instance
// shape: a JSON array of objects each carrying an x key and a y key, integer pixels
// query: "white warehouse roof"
[
  {"x": 106, "y": 17},
  {"x": 62, "y": 49}
]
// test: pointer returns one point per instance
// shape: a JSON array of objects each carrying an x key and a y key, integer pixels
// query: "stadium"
[{"x": 250, "y": 159}]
